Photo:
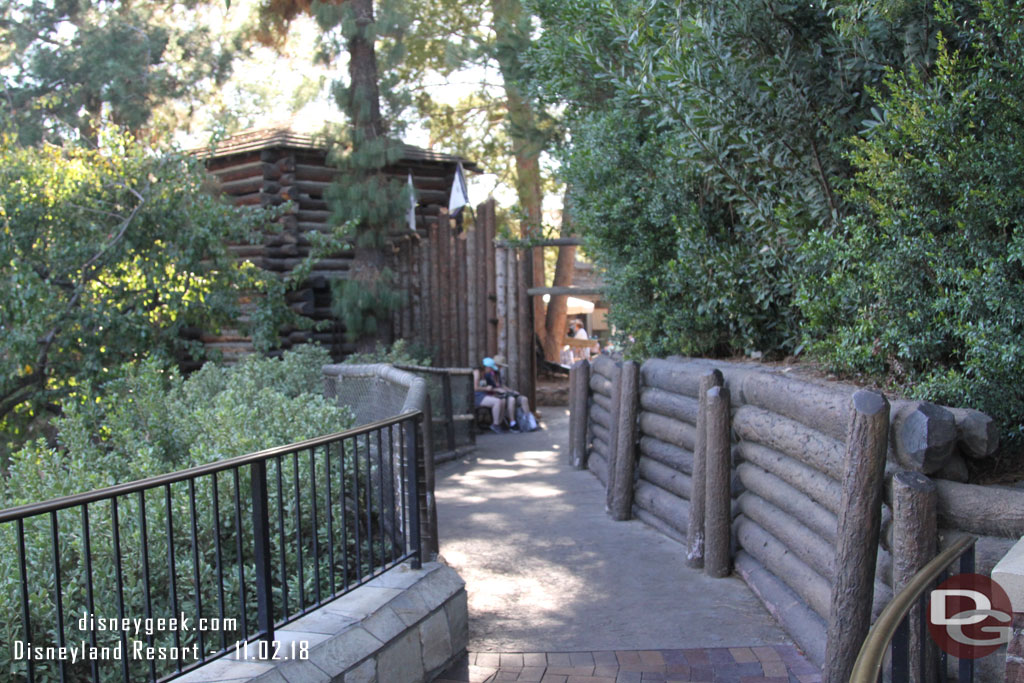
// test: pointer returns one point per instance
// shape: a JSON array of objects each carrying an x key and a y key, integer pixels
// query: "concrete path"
[{"x": 548, "y": 571}]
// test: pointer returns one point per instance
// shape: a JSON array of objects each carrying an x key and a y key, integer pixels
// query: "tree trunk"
[
  {"x": 565, "y": 266},
  {"x": 510, "y": 26},
  {"x": 363, "y": 105}
]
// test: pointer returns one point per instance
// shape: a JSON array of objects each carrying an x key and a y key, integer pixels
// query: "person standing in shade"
[{"x": 513, "y": 398}]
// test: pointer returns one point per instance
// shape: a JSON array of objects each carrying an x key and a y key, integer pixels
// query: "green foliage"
[
  {"x": 705, "y": 145},
  {"x": 107, "y": 256},
  {"x": 399, "y": 353},
  {"x": 149, "y": 421},
  {"x": 69, "y": 68},
  {"x": 925, "y": 284}
]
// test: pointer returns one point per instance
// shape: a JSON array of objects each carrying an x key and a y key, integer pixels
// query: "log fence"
[{"x": 823, "y": 498}]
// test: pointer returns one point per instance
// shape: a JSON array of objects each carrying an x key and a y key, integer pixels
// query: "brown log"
[
  {"x": 677, "y": 378},
  {"x": 620, "y": 498},
  {"x": 667, "y": 454},
  {"x": 667, "y": 478},
  {"x": 809, "y": 547},
  {"x": 669, "y": 405},
  {"x": 825, "y": 408},
  {"x": 579, "y": 381},
  {"x": 605, "y": 367},
  {"x": 679, "y": 434},
  {"x": 718, "y": 483},
  {"x": 501, "y": 279},
  {"x": 490, "y": 225},
  {"x": 977, "y": 433},
  {"x": 436, "y": 330},
  {"x": 955, "y": 469},
  {"x": 922, "y": 435},
  {"x": 779, "y": 493},
  {"x": 601, "y": 432},
  {"x": 983, "y": 510},
  {"x": 857, "y": 534},
  {"x": 669, "y": 508},
  {"x": 807, "y": 445},
  {"x": 598, "y": 464},
  {"x": 819, "y": 487},
  {"x": 915, "y": 539},
  {"x": 605, "y": 401},
  {"x": 812, "y": 588},
  {"x": 600, "y": 416},
  {"x": 514, "y": 318},
  {"x": 600, "y": 384},
  {"x": 659, "y": 525},
  {"x": 695, "y": 530},
  {"x": 473, "y": 299},
  {"x": 613, "y": 438},
  {"x": 803, "y": 625}
]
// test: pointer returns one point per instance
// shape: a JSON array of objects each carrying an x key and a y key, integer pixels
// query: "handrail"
[
  {"x": 64, "y": 502},
  {"x": 869, "y": 661}
]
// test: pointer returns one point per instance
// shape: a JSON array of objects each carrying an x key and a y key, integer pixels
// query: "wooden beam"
[{"x": 570, "y": 291}]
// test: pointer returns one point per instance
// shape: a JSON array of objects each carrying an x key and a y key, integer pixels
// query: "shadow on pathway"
[{"x": 547, "y": 571}]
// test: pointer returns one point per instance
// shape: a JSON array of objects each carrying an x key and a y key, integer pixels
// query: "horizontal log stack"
[
  {"x": 789, "y": 443},
  {"x": 602, "y": 415},
  {"x": 433, "y": 267}
]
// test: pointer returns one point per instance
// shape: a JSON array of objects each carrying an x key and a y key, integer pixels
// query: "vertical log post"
[
  {"x": 914, "y": 540},
  {"x": 695, "y": 522},
  {"x": 474, "y": 300},
  {"x": 512, "y": 319},
  {"x": 436, "y": 294},
  {"x": 860, "y": 516},
  {"x": 525, "y": 383},
  {"x": 718, "y": 491},
  {"x": 464, "y": 302},
  {"x": 579, "y": 413},
  {"x": 501, "y": 283},
  {"x": 624, "y": 464},
  {"x": 613, "y": 436},
  {"x": 490, "y": 227}
]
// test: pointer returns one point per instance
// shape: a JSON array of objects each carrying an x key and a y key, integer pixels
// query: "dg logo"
[{"x": 970, "y": 616}]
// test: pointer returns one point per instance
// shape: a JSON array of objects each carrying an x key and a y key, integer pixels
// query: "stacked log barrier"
[
  {"x": 603, "y": 411},
  {"x": 789, "y": 443},
  {"x": 667, "y": 437}
]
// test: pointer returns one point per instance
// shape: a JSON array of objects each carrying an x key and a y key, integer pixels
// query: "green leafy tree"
[
  {"x": 108, "y": 256},
  {"x": 69, "y": 68},
  {"x": 925, "y": 286},
  {"x": 707, "y": 140}
]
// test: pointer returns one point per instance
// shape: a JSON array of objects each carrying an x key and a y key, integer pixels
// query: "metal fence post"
[
  {"x": 412, "y": 485},
  {"x": 261, "y": 536}
]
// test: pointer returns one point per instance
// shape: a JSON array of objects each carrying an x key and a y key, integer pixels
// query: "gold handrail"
[{"x": 872, "y": 652}]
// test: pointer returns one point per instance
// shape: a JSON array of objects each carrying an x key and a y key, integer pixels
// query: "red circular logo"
[{"x": 969, "y": 616}]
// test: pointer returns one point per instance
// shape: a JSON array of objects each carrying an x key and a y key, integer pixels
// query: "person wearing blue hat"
[
  {"x": 513, "y": 400},
  {"x": 485, "y": 392}
]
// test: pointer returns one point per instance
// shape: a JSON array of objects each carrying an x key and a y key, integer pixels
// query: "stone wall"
[{"x": 405, "y": 626}]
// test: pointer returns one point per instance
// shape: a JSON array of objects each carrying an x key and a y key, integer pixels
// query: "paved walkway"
[{"x": 550, "y": 575}]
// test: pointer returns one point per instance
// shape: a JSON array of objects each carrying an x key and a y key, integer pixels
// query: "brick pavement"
[{"x": 763, "y": 664}]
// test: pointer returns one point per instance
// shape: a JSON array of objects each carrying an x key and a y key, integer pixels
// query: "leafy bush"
[
  {"x": 149, "y": 420},
  {"x": 107, "y": 256},
  {"x": 399, "y": 353},
  {"x": 925, "y": 285}
]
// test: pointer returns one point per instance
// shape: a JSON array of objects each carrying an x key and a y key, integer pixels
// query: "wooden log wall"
[
  {"x": 789, "y": 444},
  {"x": 445, "y": 270},
  {"x": 668, "y": 436},
  {"x": 602, "y": 414}
]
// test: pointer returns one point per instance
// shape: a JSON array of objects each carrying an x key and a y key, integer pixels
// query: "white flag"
[
  {"x": 412, "y": 204},
  {"x": 458, "y": 198}
]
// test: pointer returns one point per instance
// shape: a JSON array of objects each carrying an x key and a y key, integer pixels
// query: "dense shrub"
[
  {"x": 925, "y": 285},
  {"x": 149, "y": 421}
]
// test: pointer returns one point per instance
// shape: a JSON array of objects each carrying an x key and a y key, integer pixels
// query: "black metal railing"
[
  {"x": 893, "y": 626},
  {"x": 151, "y": 579}
]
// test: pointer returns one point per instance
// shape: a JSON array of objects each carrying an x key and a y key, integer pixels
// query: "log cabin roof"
[{"x": 285, "y": 135}]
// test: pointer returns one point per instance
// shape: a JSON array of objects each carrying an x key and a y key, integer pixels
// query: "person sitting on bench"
[
  {"x": 485, "y": 394},
  {"x": 513, "y": 399}
]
